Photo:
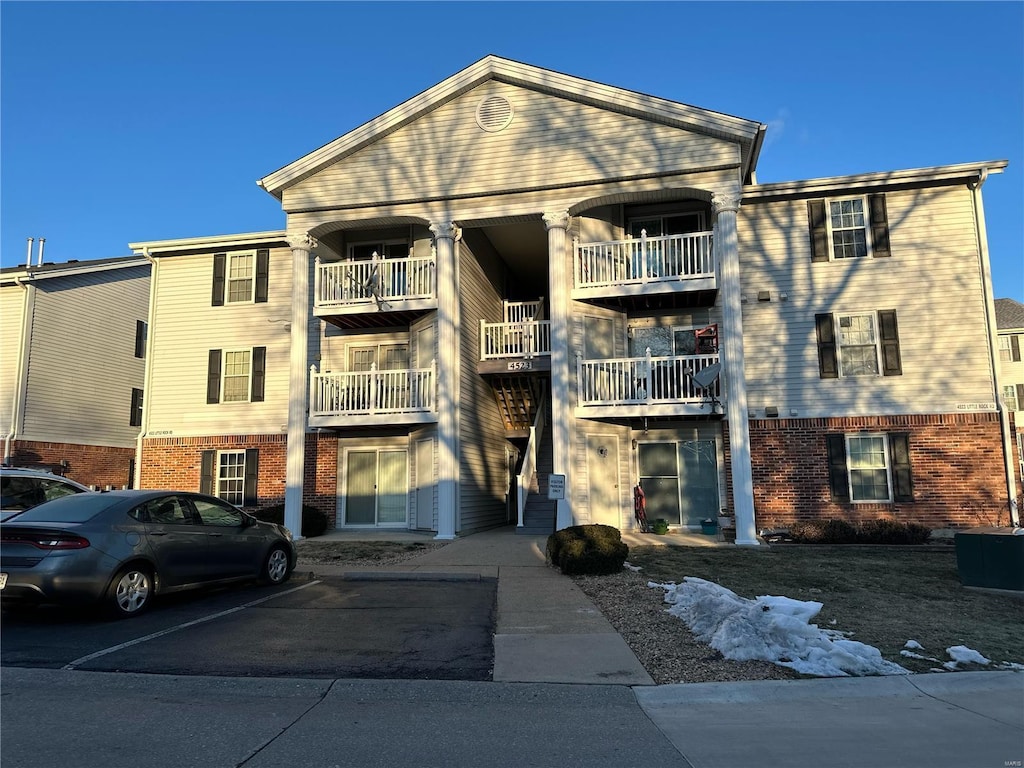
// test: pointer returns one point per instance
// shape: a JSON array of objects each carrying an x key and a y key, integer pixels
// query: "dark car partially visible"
[{"x": 120, "y": 549}]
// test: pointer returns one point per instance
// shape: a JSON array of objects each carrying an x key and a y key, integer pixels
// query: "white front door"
[{"x": 603, "y": 470}]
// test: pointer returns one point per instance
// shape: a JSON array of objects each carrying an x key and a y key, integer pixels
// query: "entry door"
[
  {"x": 603, "y": 471},
  {"x": 680, "y": 480},
  {"x": 425, "y": 484},
  {"x": 376, "y": 488}
]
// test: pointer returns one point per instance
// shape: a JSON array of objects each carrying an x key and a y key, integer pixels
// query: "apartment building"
[
  {"x": 519, "y": 295},
  {"x": 73, "y": 351},
  {"x": 1010, "y": 330}
]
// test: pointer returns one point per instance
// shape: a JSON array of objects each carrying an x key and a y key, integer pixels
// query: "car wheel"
[
  {"x": 131, "y": 592},
  {"x": 275, "y": 569}
]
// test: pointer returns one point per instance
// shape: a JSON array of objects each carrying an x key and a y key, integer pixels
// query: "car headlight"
[{"x": 285, "y": 532}]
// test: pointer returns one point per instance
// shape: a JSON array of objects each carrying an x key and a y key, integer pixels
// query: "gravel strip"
[{"x": 664, "y": 644}]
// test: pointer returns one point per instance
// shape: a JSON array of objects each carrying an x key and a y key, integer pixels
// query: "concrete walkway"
[{"x": 547, "y": 630}]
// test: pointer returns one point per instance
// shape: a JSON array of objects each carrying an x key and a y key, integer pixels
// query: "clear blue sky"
[{"x": 124, "y": 122}]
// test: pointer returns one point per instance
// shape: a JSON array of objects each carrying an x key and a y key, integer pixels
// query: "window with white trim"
[
  {"x": 237, "y": 370},
  {"x": 847, "y": 223},
  {"x": 1005, "y": 349},
  {"x": 857, "y": 344},
  {"x": 868, "y": 466},
  {"x": 241, "y": 277},
  {"x": 1010, "y": 398},
  {"x": 231, "y": 477}
]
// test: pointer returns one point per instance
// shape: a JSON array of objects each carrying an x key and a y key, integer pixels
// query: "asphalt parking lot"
[{"x": 325, "y": 628}]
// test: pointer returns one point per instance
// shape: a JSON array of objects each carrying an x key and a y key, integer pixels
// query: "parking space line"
[{"x": 186, "y": 625}]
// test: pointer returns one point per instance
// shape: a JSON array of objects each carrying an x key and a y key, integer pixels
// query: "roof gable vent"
[{"x": 494, "y": 113}]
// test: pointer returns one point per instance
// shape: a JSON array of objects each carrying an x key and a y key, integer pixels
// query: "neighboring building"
[
  {"x": 73, "y": 347},
  {"x": 519, "y": 272},
  {"x": 1010, "y": 340}
]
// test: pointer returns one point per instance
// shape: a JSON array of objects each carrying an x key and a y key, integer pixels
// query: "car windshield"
[{"x": 69, "y": 509}]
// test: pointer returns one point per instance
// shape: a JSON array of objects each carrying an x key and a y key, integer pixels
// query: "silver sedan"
[{"x": 122, "y": 548}]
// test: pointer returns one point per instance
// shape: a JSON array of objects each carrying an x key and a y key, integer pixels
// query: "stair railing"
[{"x": 529, "y": 467}]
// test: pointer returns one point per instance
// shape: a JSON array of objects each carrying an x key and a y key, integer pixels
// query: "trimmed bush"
[
  {"x": 314, "y": 522},
  {"x": 587, "y": 550},
  {"x": 880, "y": 531}
]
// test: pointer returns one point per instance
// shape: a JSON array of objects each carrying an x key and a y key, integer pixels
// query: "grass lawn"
[{"x": 884, "y": 596}]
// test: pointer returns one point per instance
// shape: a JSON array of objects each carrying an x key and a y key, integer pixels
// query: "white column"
[
  {"x": 445, "y": 233},
  {"x": 298, "y": 381},
  {"x": 562, "y": 396},
  {"x": 728, "y": 258}
]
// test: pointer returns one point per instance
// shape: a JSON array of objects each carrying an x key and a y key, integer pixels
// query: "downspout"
[
  {"x": 990, "y": 322},
  {"x": 21, "y": 374},
  {"x": 148, "y": 375}
]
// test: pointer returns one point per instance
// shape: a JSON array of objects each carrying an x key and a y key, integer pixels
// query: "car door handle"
[
  {"x": 158, "y": 533},
  {"x": 215, "y": 534}
]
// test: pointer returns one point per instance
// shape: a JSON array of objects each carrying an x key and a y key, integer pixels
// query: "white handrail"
[
  {"x": 370, "y": 392},
  {"x": 529, "y": 467},
  {"x": 644, "y": 260},
  {"x": 342, "y": 283},
  {"x": 644, "y": 380},
  {"x": 530, "y": 338}
]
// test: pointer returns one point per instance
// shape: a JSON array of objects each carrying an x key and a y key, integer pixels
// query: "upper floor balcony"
[
  {"x": 645, "y": 267},
  {"x": 373, "y": 397},
  {"x": 645, "y": 386},
  {"x": 344, "y": 290}
]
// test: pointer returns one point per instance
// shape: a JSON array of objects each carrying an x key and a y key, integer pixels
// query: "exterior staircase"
[{"x": 539, "y": 511}]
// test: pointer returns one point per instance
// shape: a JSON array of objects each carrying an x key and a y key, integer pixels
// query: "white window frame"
[
  {"x": 661, "y": 217},
  {"x": 1010, "y": 398},
  {"x": 841, "y": 345},
  {"x": 1005, "y": 349},
  {"x": 886, "y": 465},
  {"x": 382, "y": 247},
  {"x": 832, "y": 230},
  {"x": 230, "y": 486},
  {"x": 225, "y": 376},
  {"x": 230, "y": 280}
]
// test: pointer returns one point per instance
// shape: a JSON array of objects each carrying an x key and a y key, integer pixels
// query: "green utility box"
[{"x": 990, "y": 557}]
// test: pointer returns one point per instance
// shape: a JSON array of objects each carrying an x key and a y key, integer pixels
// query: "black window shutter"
[
  {"x": 262, "y": 274},
  {"x": 206, "y": 472},
  {"x": 1015, "y": 348},
  {"x": 879, "y": 226},
  {"x": 250, "y": 498},
  {"x": 135, "y": 419},
  {"x": 259, "y": 373},
  {"x": 1020, "y": 398},
  {"x": 140, "y": 338},
  {"x": 902, "y": 482},
  {"x": 890, "y": 337},
  {"x": 828, "y": 362},
  {"x": 213, "y": 377},
  {"x": 220, "y": 263},
  {"x": 819, "y": 231},
  {"x": 837, "y": 481}
]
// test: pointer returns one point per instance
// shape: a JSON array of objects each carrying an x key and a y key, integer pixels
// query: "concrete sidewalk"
[{"x": 547, "y": 630}]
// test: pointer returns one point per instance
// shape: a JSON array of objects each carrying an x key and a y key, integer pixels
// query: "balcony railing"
[
  {"x": 644, "y": 381},
  {"x": 530, "y": 338},
  {"x": 644, "y": 260},
  {"x": 342, "y": 284},
  {"x": 351, "y": 393}
]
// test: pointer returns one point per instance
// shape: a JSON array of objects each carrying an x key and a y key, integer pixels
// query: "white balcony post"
[
  {"x": 650, "y": 377},
  {"x": 561, "y": 395},
  {"x": 295, "y": 455},
  {"x": 445, "y": 233},
  {"x": 726, "y": 204}
]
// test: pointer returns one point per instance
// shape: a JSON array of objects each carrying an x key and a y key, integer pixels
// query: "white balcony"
[
  {"x": 348, "y": 398},
  {"x": 376, "y": 284},
  {"x": 654, "y": 386},
  {"x": 525, "y": 339},
  {"x": 644, "y": 265}
]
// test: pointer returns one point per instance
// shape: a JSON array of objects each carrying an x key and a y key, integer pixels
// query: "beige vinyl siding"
[
  {"x": 186, "y": 327},
  {"x": 932, "y": 280},
  {"x": 482, "y": 472},
  {"x": 82, "y": 366},
  {"x": 12, "y": 305},
  {"x": 551, "y": 142}
]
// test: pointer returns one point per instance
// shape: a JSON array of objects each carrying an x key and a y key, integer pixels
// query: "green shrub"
[
  {"x": 881, "y": 531},
  {"x": 587, "y": 549},
  {"x": 886, "y": 531},
  {"x": 824, "y": 532},
  {"x": 314, "y": 521}
]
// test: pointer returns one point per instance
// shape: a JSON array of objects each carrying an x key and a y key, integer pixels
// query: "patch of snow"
[
  {"x": 770, "y": 628},
  {"x": 913, "y": 645},
  {"x": 632, "y": 567},
  {"x": 961, "y": 654}
]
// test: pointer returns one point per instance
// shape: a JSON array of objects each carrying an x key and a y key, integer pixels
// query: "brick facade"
[
  {"x": 176, "y": 463},
  {"x": 93, "y": 465},
  {"x": 956, "y": 461}
]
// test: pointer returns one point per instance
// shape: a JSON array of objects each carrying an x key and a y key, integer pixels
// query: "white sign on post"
[{"x": 556, "y": 487}]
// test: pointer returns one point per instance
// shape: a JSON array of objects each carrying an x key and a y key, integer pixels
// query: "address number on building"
[{"x": 520, "y": 365}]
